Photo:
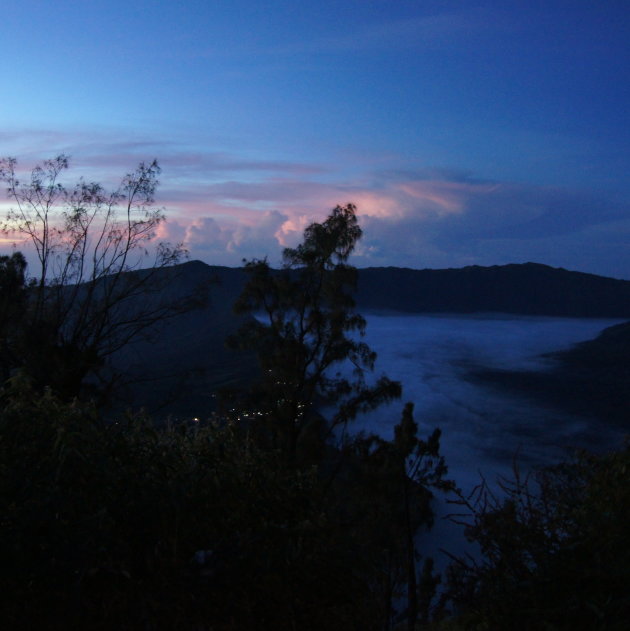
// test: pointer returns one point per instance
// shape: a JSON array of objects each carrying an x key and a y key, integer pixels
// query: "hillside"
[
  {"x": 176, "y": 368},
  {"x": 184, "y": 360},
  {"x": 527, "y": 289},
  {"x": 591, "y": 379}
]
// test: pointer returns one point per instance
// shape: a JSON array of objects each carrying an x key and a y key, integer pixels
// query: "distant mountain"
[
  {"x": 176, "y": 368},
  {"x": 180, "y": 365},
  {"x": 527, "y": 289}
]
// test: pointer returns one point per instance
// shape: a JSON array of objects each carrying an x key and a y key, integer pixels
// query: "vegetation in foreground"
[
  {"x": 268, "y": 515},
  {"x": 554, "y": 551}
]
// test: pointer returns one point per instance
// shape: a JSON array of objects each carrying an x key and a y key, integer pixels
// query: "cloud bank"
[
  {"x": 228, "y": 205},
  {"x": 422, "y": 219}
]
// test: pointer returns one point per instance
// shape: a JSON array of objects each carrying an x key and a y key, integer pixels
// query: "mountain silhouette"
[
  {"x": 526, "y": 289},
  {"x": 178, "y": 367}
]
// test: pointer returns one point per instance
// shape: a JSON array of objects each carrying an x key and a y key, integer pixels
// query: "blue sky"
[{"x": 466, "y": 132}]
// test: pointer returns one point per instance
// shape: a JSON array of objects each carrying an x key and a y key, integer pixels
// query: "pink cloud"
[
  {"x": 226, "y": 206},
  {"x": 442, "y": 197},
  {"x": 402, "y": 217},
  {"x": 207, "y": 237}
]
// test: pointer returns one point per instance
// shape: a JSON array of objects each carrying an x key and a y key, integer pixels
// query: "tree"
[
  {"x": 12, "y": 307},
  {"x": 420, "y": 468},
  {"x": 131, "y": 525},
  {"x": 89, "y": 297},
  {"x": 554, "y": 549},
  {"x": 387, "y": 497},
  {"x": 377, "y": 493},
  {"x": 307, "y": 327}
]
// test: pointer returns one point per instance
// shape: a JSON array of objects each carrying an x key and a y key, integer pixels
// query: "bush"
[
  {"x": 127, "y": 525},
  {"x": 554, "y": 549}
]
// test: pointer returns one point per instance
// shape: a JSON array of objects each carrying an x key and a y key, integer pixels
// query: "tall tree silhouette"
[
  {"x": 87, "y": 298},
  {"x": 306, "y": 327}
]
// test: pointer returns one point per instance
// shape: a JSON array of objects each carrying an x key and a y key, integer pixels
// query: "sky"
[{"x": 466, "y": 133}]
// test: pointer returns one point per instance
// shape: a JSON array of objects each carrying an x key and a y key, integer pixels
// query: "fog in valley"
[{"x": 483, "y": 428}]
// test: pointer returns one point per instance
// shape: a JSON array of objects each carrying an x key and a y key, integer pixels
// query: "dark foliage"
[
  {"x": 87, "y": 297},
  {"x": 223, "y": 524},
  {"x": 554, "y": 549},
  {"x": 307, "y": 330},
  {"x": 131, "y": 526},
  {"x": 13, "y": 302}
]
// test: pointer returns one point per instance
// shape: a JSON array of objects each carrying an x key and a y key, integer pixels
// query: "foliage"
[
  {"x": 554, "y": 549},
  {"x": 305, "y": 331},
  {"x": 85, "y": 300},
  {"x": 129, "y": 525},
  {"x": 384, "y": 495},
  {"x": 307, "y": 328},
  {"x": 249, "y": 520},
  {"x": 12, "y": 307}
]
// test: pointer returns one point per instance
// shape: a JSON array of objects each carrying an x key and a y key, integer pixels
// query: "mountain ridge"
[
  {"x": 186, "y": 355},
  {"x": 517, "y": 288}
]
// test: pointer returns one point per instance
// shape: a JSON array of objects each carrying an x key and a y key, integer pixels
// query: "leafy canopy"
[
  {"x": 306, "y": 328},
  {"x": 88, "y": 296}
]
